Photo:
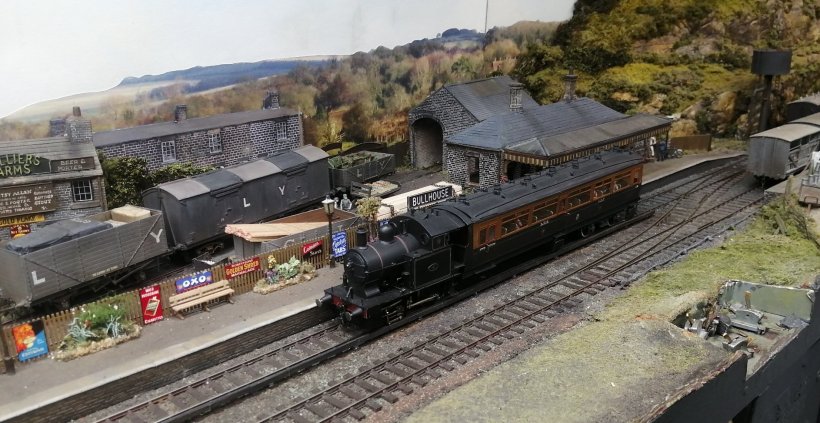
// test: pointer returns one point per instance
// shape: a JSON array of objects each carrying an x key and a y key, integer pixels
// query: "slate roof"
[
  {"x": 143, "y": 132},
  {"x": 534, "y": 124},
  {"x": 487, "y": 97},
  {"x": 54, "y": 148},
  {"x": 589, "y": 136}
]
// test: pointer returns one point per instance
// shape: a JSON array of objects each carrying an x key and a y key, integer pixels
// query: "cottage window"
[
  {"x": 473, "y": 170},
  {"x": 169, "y": 152},
  {"x": 214, "y": 143},
  {"x": 82, "y": 190},
  {"x": 281, "y": 131}
]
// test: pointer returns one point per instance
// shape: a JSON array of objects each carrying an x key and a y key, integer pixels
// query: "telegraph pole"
[{"x": 486, "y": 12}]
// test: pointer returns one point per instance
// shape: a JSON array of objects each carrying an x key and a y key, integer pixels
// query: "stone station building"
[
  {"x": 43, "y": 180},
  {"x": 482, "y": 142},
  {"x": 219, "y": 140}
]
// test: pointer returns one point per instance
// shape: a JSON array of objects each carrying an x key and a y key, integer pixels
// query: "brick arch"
[{"x": 426, "y": 141}]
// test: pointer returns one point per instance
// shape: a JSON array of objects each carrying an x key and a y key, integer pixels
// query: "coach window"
[
  {"x": 578, "y": 198},
  {"x": 545, "y": 211},
  {"x": 602, "y": 189},
  {"x": 621, "y": 181},
  {"x": 82, "y": 190}
]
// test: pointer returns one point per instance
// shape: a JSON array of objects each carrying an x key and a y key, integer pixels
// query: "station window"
[
  {"x": 214, "y": 143},
  {"x": 82, "y": 190},
  {"x": 169, "y": 152}
]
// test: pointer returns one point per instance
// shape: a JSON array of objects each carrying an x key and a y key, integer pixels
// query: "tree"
[
  {"x": 356, "y": 123},
  {"x": 176, "y": 171},
  {"x": 125, "y": 179}
]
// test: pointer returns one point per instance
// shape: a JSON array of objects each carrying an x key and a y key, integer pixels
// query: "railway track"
[{"x": 651, "y": 244}]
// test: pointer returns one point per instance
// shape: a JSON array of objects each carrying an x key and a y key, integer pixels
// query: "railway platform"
[{"x": 44, "y": 382}]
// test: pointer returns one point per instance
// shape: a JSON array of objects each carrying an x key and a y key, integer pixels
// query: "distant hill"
[
  {"x": 156, "y": 88},
  {"x": 209, "y": 77}
]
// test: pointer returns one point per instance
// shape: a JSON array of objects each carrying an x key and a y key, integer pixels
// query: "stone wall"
[
  {"x": 442, "y": 107},
  {"x": 239, "y": 143},
  {"x": 66, "y": 207},
  {"x": 457, "y": 164}
]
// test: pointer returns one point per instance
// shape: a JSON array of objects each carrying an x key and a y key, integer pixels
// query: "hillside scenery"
[{"x": 690, "y": 60}]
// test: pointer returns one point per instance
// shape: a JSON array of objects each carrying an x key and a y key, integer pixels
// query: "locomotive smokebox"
[
  {"x": 771, "y": 62},
  {"x": 361, "y": 238}
]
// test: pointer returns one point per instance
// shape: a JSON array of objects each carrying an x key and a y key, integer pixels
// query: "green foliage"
[
  {"x": 125, "y": 179},
  {"x": 356, "y": 124},
  {"x": 289, "y": 270},
  {"x": 176, "y": 171},
  {"x": 97, "y": 321}
]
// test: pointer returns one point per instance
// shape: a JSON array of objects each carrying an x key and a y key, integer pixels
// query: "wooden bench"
[{"x": 200, "y": 296}]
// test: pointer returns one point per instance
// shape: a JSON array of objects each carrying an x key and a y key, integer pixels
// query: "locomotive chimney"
[{"x": 361, "y": 238}]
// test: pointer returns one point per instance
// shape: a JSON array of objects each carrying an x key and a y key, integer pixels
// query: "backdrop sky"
[{"x": 54, "y": 49}]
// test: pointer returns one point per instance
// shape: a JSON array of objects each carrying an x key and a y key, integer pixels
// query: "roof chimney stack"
[
  {"x": 271, "y": 100},
  {"x": 77, "y": 127},
  {"x": 515, "y": 96},
  {"x": 180, "y": 113},
  {"x": 569, "y": 87},
  {"x": 56, "y": 127}
]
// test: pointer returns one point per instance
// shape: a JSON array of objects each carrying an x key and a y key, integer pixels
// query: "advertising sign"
[
  {"x": 151, "y": 303},
  {"x": 30, "y": 339},
  {"x": 339, "y": 244},
  {"x": 194, "y": 281},
  {"x": 429, "y": 197},
  {"x": 12, "y": 165},
  {"x": 18, "y": 230},
  {"x": 19, "y": 220},
  {"x": 27, "y": 199},
  {"x": 240, "y": 268},
  {"x": 312, "y": 249}
]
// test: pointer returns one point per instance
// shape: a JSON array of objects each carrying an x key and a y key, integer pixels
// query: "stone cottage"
[
  {"x": 48, "y": 179},
  {"x": 219, "y": 140}
]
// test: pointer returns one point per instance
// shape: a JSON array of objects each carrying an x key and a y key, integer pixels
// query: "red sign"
[
  {"x": 240, "y": 268},
  {"x": 151, "y": 304},
  {"x": 312, "y": 249},
  {"x": 20, "y": 230}
]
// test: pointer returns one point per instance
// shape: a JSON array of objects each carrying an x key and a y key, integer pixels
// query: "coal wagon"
[
  {"x": 198, "y": 208},
  {"x": 364, "y": 166},
  {"x": 62, "y": 259}
]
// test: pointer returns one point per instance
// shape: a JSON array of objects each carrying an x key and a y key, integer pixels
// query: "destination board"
[{"x": 27, "y": 199}]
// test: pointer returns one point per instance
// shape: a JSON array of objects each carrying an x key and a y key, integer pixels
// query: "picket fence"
[{"x": 56, "y": 325}]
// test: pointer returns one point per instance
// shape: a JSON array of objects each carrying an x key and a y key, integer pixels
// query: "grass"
[{"x": 760, "y": 253}]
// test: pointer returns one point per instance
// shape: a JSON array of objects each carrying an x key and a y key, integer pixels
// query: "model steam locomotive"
[{"x": 422, "y": 257}]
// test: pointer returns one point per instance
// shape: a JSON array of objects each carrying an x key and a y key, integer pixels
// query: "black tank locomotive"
[{"x": 423, "y": 256}]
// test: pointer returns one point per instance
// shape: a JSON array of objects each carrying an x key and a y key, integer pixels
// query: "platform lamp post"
[{"x": 328, "y": 205}]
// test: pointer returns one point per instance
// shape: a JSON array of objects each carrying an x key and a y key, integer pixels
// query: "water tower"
[{"x": 768, "y": 64}]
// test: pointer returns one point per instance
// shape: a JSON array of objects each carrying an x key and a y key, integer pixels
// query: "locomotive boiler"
[{"x": 423, "y": 256}]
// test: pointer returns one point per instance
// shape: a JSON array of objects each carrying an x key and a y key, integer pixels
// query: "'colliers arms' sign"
[{"x": 12, "y": 165}]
